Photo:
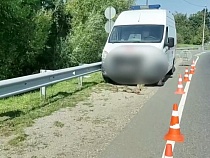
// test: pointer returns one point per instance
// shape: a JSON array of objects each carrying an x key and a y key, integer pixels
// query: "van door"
[
  {"x": 166, "y": 49},
  {"x": 171, "y": 50}
]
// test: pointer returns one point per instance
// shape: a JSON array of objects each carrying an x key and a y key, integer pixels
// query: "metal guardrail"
[
  {"x": 23, "y": 84},
  {"x": 186, "y": 55},
  {"x": 206, "y": 47},
  {"x": 188, "y": 48},
  {"x": 186, "y": 52}
]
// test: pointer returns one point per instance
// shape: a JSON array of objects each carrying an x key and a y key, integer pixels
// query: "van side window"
[
  {"x": 114, "y": 34},
  {"x": 166, "y": 37}
]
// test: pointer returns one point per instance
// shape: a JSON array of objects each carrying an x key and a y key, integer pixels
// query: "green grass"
[
  {"x": 17, "y": 139},
  {"x": 58, "y": 124},
  {"x": 187, "y": 45},
  {"x": 19, "y": 112},
  {"x": 207, "y": 46}
]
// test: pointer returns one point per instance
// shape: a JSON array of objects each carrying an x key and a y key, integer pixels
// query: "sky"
[{"x": 181, "y": 6}]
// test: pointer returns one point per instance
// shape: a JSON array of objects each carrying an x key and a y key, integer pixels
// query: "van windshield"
[{"x": 137, "y": 34}]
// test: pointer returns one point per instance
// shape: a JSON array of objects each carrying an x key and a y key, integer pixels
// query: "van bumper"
[{"x": 136, "y": 67}]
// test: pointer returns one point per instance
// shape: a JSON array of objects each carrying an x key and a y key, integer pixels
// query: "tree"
[
  {"x": 23, "y": 35},
  {"x": 183, "y": 28},
  {"x": 33, "y": 30},
  {"x": 87, "y": 37},
  {"x": 197, "y": 39},
  {"x": 190, "y": 29},
  {"x": 51, "y": 34}
]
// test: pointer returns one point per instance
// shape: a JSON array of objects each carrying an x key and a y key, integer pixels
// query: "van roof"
[{"x": 146, "y": 16}]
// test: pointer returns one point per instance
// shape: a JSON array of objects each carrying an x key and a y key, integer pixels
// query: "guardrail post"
[
  {"x": 80, "y": 78},
  {"x": 43, "y": 89}
]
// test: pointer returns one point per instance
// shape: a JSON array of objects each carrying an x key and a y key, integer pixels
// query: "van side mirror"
[{"x": 170, "y": 42}]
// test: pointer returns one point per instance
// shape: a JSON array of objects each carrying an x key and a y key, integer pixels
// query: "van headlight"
[{"x": 104, "y": 54}]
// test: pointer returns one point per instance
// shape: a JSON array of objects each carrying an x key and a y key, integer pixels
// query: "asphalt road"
[
  {"x": 143, "y": 136},
  {"x": 195, "y": 123}
]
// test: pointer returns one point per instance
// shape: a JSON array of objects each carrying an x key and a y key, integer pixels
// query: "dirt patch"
[{"x": 82, "y": 131}]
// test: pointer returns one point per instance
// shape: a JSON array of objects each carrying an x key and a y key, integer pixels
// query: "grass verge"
[
  {"x": 207, "y": 46},
  {"x": 19, "y": 112},
  {"x": 186, "y": 45}
]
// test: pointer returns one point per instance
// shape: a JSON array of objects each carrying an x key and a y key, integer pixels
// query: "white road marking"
[
  {"x": 200, "y": 53},
  {"x": 181, "y": 106}
]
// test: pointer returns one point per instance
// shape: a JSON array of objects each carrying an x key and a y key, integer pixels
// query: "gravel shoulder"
[{"x": 85, "y": 130}]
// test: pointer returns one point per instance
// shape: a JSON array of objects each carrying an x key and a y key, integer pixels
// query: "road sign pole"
[
  {"x": 110, "y": 25},
  {"x": 109, "y": 13}
]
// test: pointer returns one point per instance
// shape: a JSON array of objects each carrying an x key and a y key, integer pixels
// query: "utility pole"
[
  {"x": 147, "y": 2},
  {"x": 204, "y": 23}
]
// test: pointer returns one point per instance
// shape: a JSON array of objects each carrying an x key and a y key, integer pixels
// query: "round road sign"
[
  {"x": 110, "y": 12},
  {"x": 108, "y": 26}
]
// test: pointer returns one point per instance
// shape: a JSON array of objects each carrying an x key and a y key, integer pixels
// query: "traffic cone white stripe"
[
  {"x": 180, "y": 86},
  {"x": 176, "y": 126},
  {"x": 175, "y": 113}
]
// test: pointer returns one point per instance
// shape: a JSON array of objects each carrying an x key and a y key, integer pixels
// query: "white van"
[{"x": 140, "y": 47}]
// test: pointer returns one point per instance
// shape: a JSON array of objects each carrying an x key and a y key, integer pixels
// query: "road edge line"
[{"x": 181, "y": 108}]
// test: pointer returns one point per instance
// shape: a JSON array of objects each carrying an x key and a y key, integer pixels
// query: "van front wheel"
[
  {"x": 160, "y": 83},
  {"x": 108, "y": 80}
]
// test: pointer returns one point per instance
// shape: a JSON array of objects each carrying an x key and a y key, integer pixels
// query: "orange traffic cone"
[
  {"x": 180, "y": 89},
  {"x": 192, "y": 70},
  {"x": 194, "y": 64},
  {"x": 168, "y": 151},
  {"x": 174, "y": 133},
  {"x": 186, "y": 75}
]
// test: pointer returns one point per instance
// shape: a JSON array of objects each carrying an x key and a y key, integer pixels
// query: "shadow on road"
[
  {"x": 185, "y": 65},
  {"x": 164, "y": 80}
]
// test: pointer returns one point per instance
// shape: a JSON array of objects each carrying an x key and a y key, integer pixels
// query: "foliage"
[
  {"x": 190, "y": 29},
  {"x": 51, "y": 34},
  {"x": 24, "y": 31},
  {"x": 86, "y": 41}
]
